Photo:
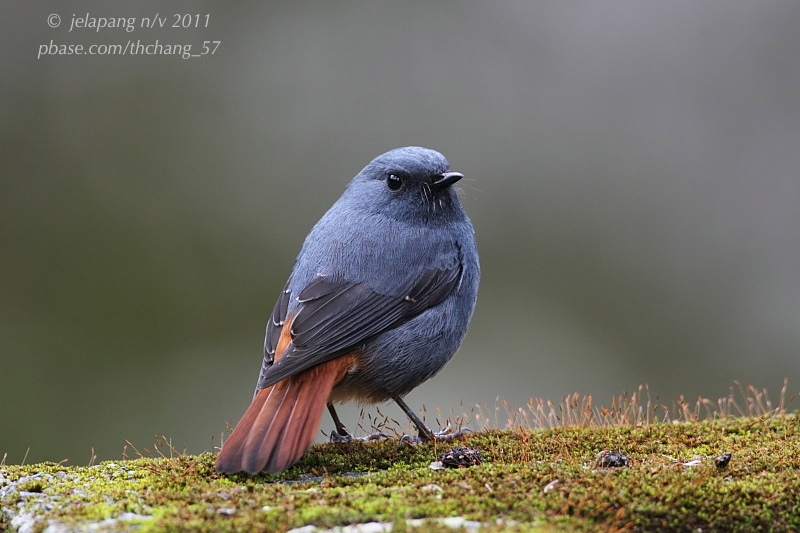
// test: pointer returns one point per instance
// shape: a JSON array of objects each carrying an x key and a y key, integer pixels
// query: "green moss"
[{"x": 672, "y": 484}]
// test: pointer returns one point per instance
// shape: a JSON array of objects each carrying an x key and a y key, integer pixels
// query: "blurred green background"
[{"x": 632, "y": 175}]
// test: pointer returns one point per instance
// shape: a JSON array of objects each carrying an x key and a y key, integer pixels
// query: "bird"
[{"x": 378, "y": 301}]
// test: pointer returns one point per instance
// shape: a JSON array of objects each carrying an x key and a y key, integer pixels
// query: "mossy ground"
[{"x": 532, "y": 480}]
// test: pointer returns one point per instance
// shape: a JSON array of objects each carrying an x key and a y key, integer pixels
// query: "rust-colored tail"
[{"x": 281, "y": 422}]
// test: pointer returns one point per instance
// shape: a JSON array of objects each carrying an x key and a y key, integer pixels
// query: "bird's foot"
[
  {"x": 346, "y": 437},
  {"x": 444, "y": 435}
]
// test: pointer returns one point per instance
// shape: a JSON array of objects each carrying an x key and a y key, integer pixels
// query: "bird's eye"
[{"x": 394, "y": 182}]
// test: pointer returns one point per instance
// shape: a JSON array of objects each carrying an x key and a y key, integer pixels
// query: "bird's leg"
[
  {"x": 425, "y": 433},
  {"x": 341, "y": 432},
  {"x": 342, "y": 435}
]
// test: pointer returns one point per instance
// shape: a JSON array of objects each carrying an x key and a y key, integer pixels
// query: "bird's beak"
[{"x": 446, "y": 179}]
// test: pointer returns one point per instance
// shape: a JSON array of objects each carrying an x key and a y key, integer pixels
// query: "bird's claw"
[
  {"x": 347, "y": 437},
  {"x": 445, "y": 434},
  {"x": 448, "y": 434}
]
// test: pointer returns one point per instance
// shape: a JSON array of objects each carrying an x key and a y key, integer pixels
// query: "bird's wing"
[{"x": 333, "y": 317}]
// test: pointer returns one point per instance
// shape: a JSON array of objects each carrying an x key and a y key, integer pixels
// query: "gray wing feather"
[{"x": 333, "y": 317}]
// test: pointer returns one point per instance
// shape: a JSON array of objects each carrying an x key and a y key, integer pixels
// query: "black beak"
[{"x": 446, "y": 179}]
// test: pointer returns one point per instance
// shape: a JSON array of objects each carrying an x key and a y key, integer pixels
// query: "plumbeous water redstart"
[{"x": 378, "y": 301}]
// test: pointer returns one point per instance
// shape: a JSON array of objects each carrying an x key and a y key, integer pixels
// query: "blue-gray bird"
[{"x": 379, "y": 300}]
